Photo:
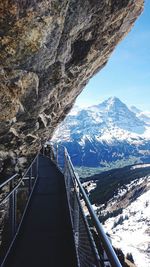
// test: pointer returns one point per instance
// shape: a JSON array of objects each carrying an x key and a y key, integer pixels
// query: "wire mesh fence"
[
  {"x": 14, "y": 196},
  {"x": 85, "y": 246},
  {"x": 93, "y": 247}
]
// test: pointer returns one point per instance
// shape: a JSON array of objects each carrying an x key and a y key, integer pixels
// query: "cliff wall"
[{"x": 49, "y": 50}]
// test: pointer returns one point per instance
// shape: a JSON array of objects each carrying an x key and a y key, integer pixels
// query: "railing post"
[
  {"x": 43, "y": 150},
  {"x": 52, "y": 153},
  {"x": 67, "y": 173},
  {"x": 30, "y": 180},
  {"x": 64, "y": 171},
  {"x": 57, "y": 154},
  {"x": 37, "y": 166},
  {"x": 76, "y": 220},
  {"x": 12, "y": 214}
]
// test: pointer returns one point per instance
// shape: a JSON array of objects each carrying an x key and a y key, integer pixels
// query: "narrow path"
[{"x": 45, "y": 238}]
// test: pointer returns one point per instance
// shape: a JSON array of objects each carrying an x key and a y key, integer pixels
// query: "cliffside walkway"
[
  {"x": 53, "y": 230},
  {"x": 45, "y": 238}
]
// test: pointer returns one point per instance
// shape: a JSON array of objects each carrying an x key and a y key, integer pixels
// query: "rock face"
[{"x": 49, "y": 51}]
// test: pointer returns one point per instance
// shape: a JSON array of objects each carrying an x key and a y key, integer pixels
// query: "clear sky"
[{"x": 127, "y": 73}]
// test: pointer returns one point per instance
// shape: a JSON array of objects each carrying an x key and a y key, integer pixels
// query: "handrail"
[
  {"x": 12, "y": 178},
  {"x": 106, "y": 243},
  {"x": 88, "y": 230},
  {"x": 112, "y": 257},
  {"x": 8, "y": 180},
  {"x": 11, "y": 193},
  {"x": 31, "y": 164}
]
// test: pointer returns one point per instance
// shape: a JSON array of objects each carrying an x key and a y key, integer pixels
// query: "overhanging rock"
[{"x": 49, "y": 51}]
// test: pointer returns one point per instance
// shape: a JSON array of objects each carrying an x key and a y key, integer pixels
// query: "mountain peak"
[
  {"x": 113, "y": 104},
  {"x": 113, "y": 99},
  {"x": 114, "y": 113}
]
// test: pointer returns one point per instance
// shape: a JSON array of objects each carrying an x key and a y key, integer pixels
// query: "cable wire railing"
[
  {"x": 93, "y": 246},
  {"x": 15, "y": 194}
]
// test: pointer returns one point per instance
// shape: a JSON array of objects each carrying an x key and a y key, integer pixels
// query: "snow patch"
[
  {"x": 139, "y": 166},
  {"x": 133, "y": 234}
]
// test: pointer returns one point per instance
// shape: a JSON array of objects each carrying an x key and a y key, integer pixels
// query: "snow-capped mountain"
[{"x": 106, "y": 133}]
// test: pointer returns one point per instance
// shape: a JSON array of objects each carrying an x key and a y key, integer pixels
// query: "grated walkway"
[{"x": 45, "y": 238}]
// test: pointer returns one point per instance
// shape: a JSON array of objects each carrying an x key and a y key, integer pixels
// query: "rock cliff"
[{"x": 49, "y": 51}]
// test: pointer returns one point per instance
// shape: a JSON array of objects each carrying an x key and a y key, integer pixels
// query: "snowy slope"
[
  {"x": 142, "y": 115},
  {"x": 125, "y": 213},
  {"x": 132, "y": 235}
]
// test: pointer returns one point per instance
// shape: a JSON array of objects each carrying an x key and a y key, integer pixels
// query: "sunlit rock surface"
[{"x": 49, "y": 51}]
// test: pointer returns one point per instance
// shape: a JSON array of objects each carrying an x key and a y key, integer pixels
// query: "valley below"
[{"x": 121, "y": 199}]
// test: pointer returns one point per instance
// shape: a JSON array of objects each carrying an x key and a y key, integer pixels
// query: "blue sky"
[{"x": 127, "y": 73}]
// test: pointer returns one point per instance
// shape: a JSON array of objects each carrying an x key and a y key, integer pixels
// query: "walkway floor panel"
[{"x": 45, "y": 238}]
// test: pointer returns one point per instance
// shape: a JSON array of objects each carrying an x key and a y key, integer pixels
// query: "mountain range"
[{"x": 106, "y": 135}]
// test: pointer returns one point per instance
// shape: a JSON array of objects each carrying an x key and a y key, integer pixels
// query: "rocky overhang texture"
[{"x": 49, "y": 51}]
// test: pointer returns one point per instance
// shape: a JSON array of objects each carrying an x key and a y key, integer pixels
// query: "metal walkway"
[
  {"x": 46, "y": 219},
  {"x": 46, "y": 237}
]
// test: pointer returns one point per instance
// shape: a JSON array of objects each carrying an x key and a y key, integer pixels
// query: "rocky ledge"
[{"x": 49, "y": 51}]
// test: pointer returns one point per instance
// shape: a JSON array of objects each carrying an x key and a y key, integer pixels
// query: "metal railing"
[
  {"x": 15, "y": 194},
  {"x": 93, "y": 246}
]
